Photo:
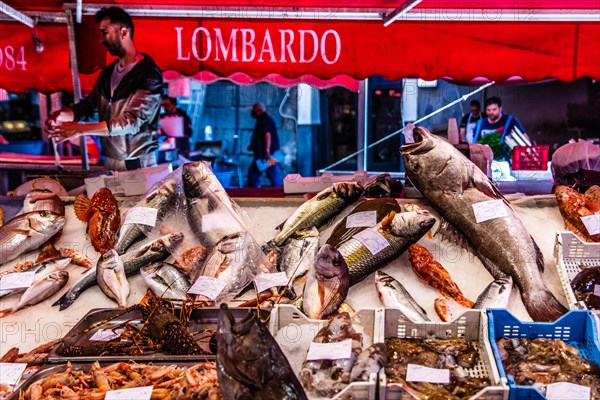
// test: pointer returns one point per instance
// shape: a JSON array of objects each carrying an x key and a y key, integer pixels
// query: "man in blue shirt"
[
  {"x": 468, "y": 123},
  {"x": 264, "y": 143}
]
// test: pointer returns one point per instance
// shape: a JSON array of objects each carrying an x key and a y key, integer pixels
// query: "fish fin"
[
  {"x": 6, "y": 312},
  {"x": 335, "y": 242},
  {"x": 23, "y": 232},
  {"x": 280, "y": 226},
  {"x": 542, "y": 306},
  {"x": 66, "y": 300},
  {"x": 448, "y": 232},
  {"x": 82, "y": 206},
  {"x": 332, "y": 297},
  {"x": 539, "y": 257},
  {"x": 491, "y": 267},
  {"x": 48, "y": 252}
]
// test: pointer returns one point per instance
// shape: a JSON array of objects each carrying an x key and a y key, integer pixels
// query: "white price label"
[
  {"x": 596, "y": 290},
  {"x": 141, "y": 393},
  {"x": 106, "y": 335},
  {"x": 372, "y": 240},
  {"x": 207, "y": 287},
  {"x": 362, "y": 219},
  {"x": 567, "y": 391},
  {"x": 486, "y": 210},
  {"x": 17, "y": 280},
  {"x": 141, "y": 215},
  {"x": 592, "y": 224},
  {"x": 419, "y": 373},
  {"x": 10, "y": 373},
  {"x": 267, "y": 281},
  {"x": 330, "y": 351}
]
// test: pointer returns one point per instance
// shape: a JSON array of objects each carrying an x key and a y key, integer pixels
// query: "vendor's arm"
[
  {"x": 73, "y": 130},
  {"x": 268, "y": 145}
]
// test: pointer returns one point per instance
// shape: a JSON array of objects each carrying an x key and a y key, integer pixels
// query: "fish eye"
[
  {"x": 335, "y": 262},
  {"x": 105, "y": 257},
  {"x": 43, "y": 214},
  {"x": 416, "y": 166}
]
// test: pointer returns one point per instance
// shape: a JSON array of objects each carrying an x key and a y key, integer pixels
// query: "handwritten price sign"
[
  {"x": 10, "y": 373},
  {"x": 267, "y": 281},
  {"x": 208, "y": 287},
  {"x": 330, "y": 351},
  {"x": 361, "y": 219},
  {"x": 486, "y": 210},
  {"x": 372, "y": 240},
  {"x": 419, "y": 373},
  {"x": 17, "y": 280},
  {"x": 141, "y": 215},
  {"x": 567, "y": 391},
  {"x": 141, "y": 393},
  {"x": 592, "y": 223}
]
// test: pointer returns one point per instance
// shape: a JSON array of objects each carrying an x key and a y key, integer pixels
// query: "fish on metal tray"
[
  {"x": 327, "y": 284},
  {"x": 41, "y": 271},
  {"x": 495, "y": 295},
  {"x": 110, "y": 275},
  {"x": 451, "y": 183},
  {"x": 166, "y": 280},
  {"x": 382, "y": 207},
  {"x": 299, "y": 253},
  {"x": 250, "y": 363},
  {"x": 101, "y": 214},
  {"x": 585, "y": 286},
  {"x": 28, "y": 232},
  {"x": 39, "y": 291},
  {"x": 162, "y": 198},
  {"x": 394, "y": 295},
  {"x": 573, "y": 207}
]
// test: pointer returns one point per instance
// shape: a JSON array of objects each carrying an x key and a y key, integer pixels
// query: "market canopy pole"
[
  {"x": 391, "y": 135},
  {"x": 17, "y": 15}
]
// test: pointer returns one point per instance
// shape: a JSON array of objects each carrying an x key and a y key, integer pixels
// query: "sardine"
[
  {"x": 495, "y": 295},
  {"x": 39, "y": 291},
  {"x": 157, "y": 250},
  {"x": 451, "y": 183},
  {"x": 382, "y": 207},
  {"x": 161, "y": 198},
  {"x": 41, "y": 271},
  {"x": 299, "y": 253},
  {"x": 250, "y": 363},
  {"x": 318, "y": 210},
  {"x": 394, "y": 295},
  {"x": 166, "y": 280},
  {"x": 110, "y": 275},
  {"x": 326, "y": 285},
  {"x": 399, "y": 231},
  {"x": 28, "y": 232}
]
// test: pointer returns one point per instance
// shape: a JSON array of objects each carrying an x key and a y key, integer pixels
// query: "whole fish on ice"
[
  {"x": 495, "y": 295},
  {"x": 39, "y": 291},
  {"x": 110, "y": 275},
  {"x": 41, "y": 271},
  {"x": 394, "y": 295},
  {"x": 101, "y": 214},
  {"x": 166, "y": 280}
]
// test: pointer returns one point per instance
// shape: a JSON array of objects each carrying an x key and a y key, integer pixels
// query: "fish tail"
[
  {"x": 81, "y": 207},
  {"x": 542, "y": 306},
  {"x": 5, "y": 312},
  {"x": 463, "y": 301},
  {"x": 66, "y": 300}
]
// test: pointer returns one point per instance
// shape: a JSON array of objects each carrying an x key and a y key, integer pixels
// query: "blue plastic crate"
[{"x": 577, "y": 328}]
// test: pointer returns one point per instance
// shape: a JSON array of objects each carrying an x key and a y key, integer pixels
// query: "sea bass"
[
  {"x": 101, "y": 214},
  {"x": 166, "y": 280},
  {"x": 299, "y": 254},
  {"x": 393, "y": 295},
  {"x": 110, "y": 275},
  {"x": 163, "y": 199},
  {"x": 389, "y": 238},
  {"x": 451, "y": 183},
  {"x": 39, "y": 291},
  {"x": 250, "y": 364},
  {"x": 28, "y": 232},
  {"x": 318, "y": 210},
  {"x": 573, "y": 207},
  {"x": 327, "y": 284},
  {"x": 495, "y": 295},
  {"x": 41, "y": 271}
]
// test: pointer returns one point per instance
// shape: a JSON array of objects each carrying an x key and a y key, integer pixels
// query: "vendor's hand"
[
  {"x": 57, "y": 117},
  {"x": 67, "y": 130}
]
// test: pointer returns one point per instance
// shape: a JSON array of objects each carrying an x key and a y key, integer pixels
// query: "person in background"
[
  {"x": 264, "y": 143},
  {"x": 469, "y": 122},
  {"x": 126, "y": 95},
  {"x": 169, "y": 104}
]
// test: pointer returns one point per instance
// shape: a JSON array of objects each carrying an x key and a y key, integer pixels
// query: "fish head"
[
  {"x": 172, "y": 240},
  {"x": 109, "y": 260},
  {"x": 166, "y": 189},
  {"x": 151, "y": 270},
  {"x": 330, "y": 262},
  {"x": 59, "y": 263},
  {"x": 432, "y": 163},
  {"x": 196, "y": 179},
  {"x": 58, "y": 277},
  {"x": 46, "y": 222},
  {"x": 348, "y": 190},
  {"x": 104, "y": 200},
  {"x": 382, "y": 278},
  {"x": 408, "y": 223}
]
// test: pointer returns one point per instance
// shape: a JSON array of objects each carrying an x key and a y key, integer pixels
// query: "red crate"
[{"x": 530, "y": 158}]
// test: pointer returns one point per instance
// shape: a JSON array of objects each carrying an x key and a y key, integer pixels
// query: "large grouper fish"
[
  {"x": 250, "y": 364},
  {"x": 451, "y": 183}
]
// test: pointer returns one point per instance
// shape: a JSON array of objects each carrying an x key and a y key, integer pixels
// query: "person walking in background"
[
  {"x": 469, "y": 122},
  {"x": 264, "y": 144},
  {"x": 169, "y": 104}
]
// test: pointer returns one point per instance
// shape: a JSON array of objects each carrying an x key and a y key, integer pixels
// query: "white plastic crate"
[
  {"x": 571, "y": 254},
  {"x": 288, "y": 317},
  {"x": 471, "y": 326}
]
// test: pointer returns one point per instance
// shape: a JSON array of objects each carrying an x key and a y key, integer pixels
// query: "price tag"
[
  {"x": 141, "y": 215},
  {"x": 267, "y": 281},
  {"x": 330, "y": 351},
  {"x": 362, "y": 219},
  {"x": 10, "y": 373},
  {"x": 141, "y": 393},
  {"x": 372, "y": 240},
  {"x": 17, "y": 280},
  {"x": 487, "y": 210},
  {"x": 596, "y": 290},
  {"x": 567, "y": 391},
  {"x": 419, "y": 373},
  {"x": 207, "y": 287},
  {"x": 592, "y": 223},
  {"x": 106, "y": 335}
]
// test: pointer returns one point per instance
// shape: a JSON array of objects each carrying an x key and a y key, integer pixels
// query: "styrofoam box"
[
  {"x": 295, "y": 183},
  {"x": 288, "y": 317},
  {"x": 128, "y": 183},
  {"x": 471, "y": 326},
  {"x": 571, "y": 255}
]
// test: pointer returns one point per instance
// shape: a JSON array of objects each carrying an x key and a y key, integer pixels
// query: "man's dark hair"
[
  {"x": 475, "y": 103},
  {"x": 117, "y": 16},
  {"x": 493, "y": 100},
  {"x": 172, "y": 100}
]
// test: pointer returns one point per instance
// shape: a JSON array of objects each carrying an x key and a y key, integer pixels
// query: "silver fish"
[
  {"x": 299, "y": 253},
  {"x": 394, "y": 295},
  {"x": 27, "y": 232},
  {"x": 41, "y": 271},
  {"x": 110, "y": 275},
  {"x": 157, "y": 250},
  {"x": 166, "y": 280},
  {"x": 495, "y": 295},
  {"x": 39, "y": 291},
  {"x": 43, "y": 200},
  {"x": 451, "y": 183},
  {"x": 163, "y": 199},
  {"x": 327, "y": 284}
]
